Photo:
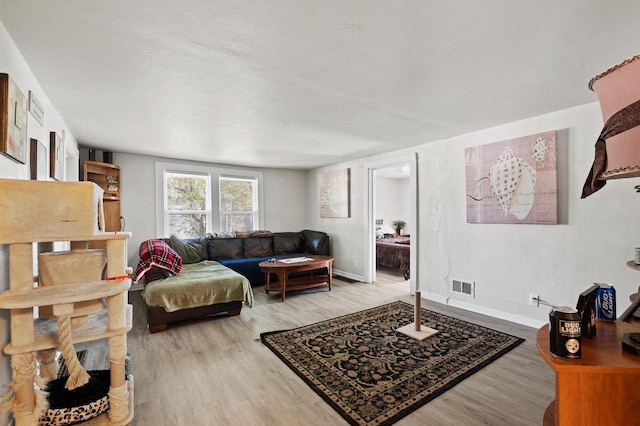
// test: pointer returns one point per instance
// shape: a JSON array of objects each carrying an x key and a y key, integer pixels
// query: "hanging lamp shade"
[{"x": 618, "y": 146}]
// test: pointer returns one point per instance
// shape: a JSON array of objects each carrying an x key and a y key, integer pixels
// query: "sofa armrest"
[{"x": 315, "y": 242}]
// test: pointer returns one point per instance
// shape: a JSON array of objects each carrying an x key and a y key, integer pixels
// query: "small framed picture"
[
  {"x": 13, "y": 120},
  {"x": 38, "y": 161},
  {"x": 56, "y": 157},
  {"x": 335, "y": 193}
]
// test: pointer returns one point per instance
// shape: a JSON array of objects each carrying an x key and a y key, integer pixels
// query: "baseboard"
[
  {"x": 518, "y": 319},
  {"x": 349, "y": 275},
  {"x": 444, "y": 300}
]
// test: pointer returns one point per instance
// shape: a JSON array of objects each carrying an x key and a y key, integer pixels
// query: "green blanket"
[{"x": 199, "y": 284}]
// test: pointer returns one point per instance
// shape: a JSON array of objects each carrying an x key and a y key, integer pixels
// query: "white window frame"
[
  {"x": 214, "y": 173},
  {"x": 207, "y": 209},
  {"x": 255, "y": 212}
]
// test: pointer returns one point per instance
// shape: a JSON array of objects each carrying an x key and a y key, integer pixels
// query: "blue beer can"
[{"x": 606, "y": 303}]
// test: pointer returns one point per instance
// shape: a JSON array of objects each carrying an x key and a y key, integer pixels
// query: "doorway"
[{"x": 401, "y": 164}]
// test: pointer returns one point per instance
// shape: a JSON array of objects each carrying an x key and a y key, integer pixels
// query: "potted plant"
[{"x": 399, "y": 224}]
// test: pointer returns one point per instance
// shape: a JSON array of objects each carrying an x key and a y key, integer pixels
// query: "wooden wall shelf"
[{"x": 107, "y": 177}]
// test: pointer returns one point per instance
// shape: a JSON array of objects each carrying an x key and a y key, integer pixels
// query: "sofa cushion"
[
  {"x": 287, "y": 242},
  {"x": 224, "y": 248},
  {"x": 190, "y": 250},
  {"x": 260, "y": 233},
  {"x": 248, "y": 266},
  {"x": 258, "y": 247}
]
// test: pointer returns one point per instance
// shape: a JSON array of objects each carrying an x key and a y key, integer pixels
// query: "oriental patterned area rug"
[{"x": 373, "y": 375}]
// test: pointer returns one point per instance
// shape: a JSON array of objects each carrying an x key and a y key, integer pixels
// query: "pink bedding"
[{"x": 394, "y": 253}]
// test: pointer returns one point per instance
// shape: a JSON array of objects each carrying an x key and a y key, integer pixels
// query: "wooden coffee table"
[{"x": 285, "y": 266}]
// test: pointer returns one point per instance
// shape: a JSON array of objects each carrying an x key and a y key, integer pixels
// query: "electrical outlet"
[{"x": 534, "y": 299}]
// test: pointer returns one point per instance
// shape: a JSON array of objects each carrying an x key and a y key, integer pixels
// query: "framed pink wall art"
[{"x": 513, "y": 181}]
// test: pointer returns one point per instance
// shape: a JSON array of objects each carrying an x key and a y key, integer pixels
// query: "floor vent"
[{"x": 461, "y": 287}]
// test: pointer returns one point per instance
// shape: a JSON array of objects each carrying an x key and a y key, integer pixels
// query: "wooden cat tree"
[{"x": 70, "y": 290}]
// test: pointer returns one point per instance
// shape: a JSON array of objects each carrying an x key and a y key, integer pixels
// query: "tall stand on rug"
[{"x": 415, "y": 329}]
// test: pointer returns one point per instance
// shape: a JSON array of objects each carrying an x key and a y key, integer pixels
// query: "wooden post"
[
  {"x": 416, "y": 314},
  {"x": 415, "y": 329},
  {"x": 116, "y": 261},
  {"x": 22, "y": 329}
]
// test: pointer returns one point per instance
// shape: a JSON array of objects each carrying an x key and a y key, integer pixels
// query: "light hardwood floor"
[{"x": 217, "y": 372}]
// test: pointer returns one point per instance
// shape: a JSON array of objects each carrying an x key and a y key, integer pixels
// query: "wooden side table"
[
  {"x": 601, "y": 387},
  {"x": 284, "y": 267}
]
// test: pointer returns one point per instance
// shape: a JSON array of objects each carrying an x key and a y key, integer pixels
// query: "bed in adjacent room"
[{"x": 394, "y": 253}]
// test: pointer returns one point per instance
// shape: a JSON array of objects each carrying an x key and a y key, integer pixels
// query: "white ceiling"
[{"x": 302, "y": 84}]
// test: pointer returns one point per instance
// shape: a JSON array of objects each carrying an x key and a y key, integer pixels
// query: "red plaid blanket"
[{"x": 157, "y": 253}]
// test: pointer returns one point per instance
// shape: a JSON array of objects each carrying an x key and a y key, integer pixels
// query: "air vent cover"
[{"x": 462, "y": 287}]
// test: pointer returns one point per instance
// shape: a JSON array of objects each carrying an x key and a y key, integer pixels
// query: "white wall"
[
  {"x": 14, "y": 64},
  {"x": 405, "y": 205},
  {"x": 595, "y": 237},
  {"x": 285, "y": 198},
  {"x": 392, "y": 202},
  {"x": 347, "y": 236},
  {"x": 592, "y": 243}
]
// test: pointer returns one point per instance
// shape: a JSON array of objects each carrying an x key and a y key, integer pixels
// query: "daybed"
[
  {"x": 198, "y": 277},
  {"x": 394, "y": 253},
  {"x": 176, "y": 291}
]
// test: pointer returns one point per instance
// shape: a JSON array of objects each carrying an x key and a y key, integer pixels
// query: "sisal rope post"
[
  {"x": 26, "y": 412},
  {"x": 118, "y": 391},
  {"x": 118, "y": 403}
]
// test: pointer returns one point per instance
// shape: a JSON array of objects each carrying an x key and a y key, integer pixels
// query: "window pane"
[
  {"x": 238, "y": 204},
  {"x": 186, "y": 192},
  {"x": 188, "y": 225},
  {"x": 236, "y": 194},
  {"x": 237, "y": 222}
]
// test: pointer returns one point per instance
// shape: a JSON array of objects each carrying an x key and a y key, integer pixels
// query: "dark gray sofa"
[{"x": 244, "y": 254}]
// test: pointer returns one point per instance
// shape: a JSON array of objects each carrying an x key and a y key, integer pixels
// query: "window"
[
  {"x": 238, "y": 204},
  {"x": 193, "y": 200},
  {"x": 187, "y": 204}
]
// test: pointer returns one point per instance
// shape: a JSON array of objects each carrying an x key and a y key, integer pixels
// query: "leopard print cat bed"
[{"x": 68, "y": 407}]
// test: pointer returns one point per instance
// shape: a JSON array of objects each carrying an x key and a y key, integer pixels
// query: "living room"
[{"x": 592, "y": 241}]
